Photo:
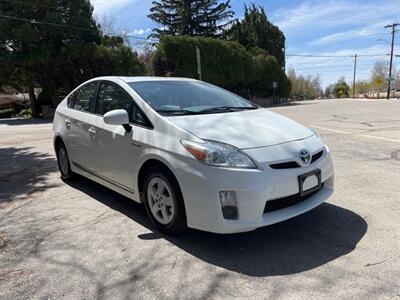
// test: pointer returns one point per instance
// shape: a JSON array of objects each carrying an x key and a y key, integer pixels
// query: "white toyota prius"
[{"x": 194, "y": 154}]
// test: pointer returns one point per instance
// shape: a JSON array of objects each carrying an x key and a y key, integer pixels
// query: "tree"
[
  {"x": 113, "y": 57},
  {"x": 328, "y": 93},
  {"x": 256, "y": 31},
  {"x": 379, "y": 76},
  {"x": 225, "y": 63},
  {"x": 145, "y": 55},
  {"x": 304, "y": 87},
  {"x": 341, "y": 89},
  {"x": 377, "y": 82},
  {"x": 59, "y": 47},
  {"x": 208, "y": 18},
  {"x": 31, "y": 51},
  {"x": 397, "y": 81},
  {"x": 109, "y": 25},
  {"x": 362, "y": 87}
]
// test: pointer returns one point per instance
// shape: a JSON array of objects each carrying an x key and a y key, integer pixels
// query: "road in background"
[{"x": 80, "y": 240}]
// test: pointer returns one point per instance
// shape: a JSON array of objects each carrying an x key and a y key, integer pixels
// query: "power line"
[
  {"x": 331, "y": 67},
  {"x": 33, "y": 21},
  {"x": 312, "y": 55},
  {"x": 44, "y": 6},
  {"x": 30, "y": 4},
  {"x": 305, "y": 71},
  {"x": 41, "y": 5},
  {"x": 17, "y": 2},
  {"x": 332, "y": 56}
]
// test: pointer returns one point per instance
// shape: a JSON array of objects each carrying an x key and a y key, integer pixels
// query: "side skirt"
[{"x": 111, "y": 184}]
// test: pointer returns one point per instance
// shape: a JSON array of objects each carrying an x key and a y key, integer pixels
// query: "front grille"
[
  {"x": 273, "y": 205},
  {"x": 316, "y": 156},
  {"x": 285, "y": 165},
  {"x": 294, "y": 164}
]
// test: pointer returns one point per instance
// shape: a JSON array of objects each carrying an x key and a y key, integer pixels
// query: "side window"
[
  {"x": 84, "y": 96},
  {"x": 111, "y": 97},
  {"x": 70, "y": 100}
]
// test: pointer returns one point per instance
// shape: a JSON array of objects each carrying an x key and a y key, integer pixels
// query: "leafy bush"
[
  {"x": 7, "y": 113},
  {"x": 25, "y": 113},
  {"x": 224, "y": 63},
  {"x": 341, "y": 89}
]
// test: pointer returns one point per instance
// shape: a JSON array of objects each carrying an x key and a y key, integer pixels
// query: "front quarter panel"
[{"x": 161, "y": 143}]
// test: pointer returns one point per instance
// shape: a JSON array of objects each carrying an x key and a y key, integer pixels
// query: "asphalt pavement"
[{"x": 79, "y": 240}]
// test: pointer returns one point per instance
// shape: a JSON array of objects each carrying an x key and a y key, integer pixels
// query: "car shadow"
[{"x": 300, "y": 244}]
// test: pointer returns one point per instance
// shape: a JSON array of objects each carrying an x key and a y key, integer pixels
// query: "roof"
[
  {"x": 128, "y": 79},
  {"x": 153, "y": 78}
]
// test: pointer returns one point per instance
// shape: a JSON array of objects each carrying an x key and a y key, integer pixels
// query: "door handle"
[
  {"x": 68, "y": 123},
  {"x": 92, "y": 131}
]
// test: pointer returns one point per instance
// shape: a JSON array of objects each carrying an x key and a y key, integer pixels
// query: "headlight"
[
  {"x": 219, "y": 154},
  {"x": 315, "y": 133}
]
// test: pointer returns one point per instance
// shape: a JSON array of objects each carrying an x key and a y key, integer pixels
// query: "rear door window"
[
  {"x": 85, "y": 96},
  {"x": 70, "y": 100}
]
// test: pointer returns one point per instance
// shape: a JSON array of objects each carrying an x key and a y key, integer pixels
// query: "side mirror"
[{"x": 118, "y": 117}]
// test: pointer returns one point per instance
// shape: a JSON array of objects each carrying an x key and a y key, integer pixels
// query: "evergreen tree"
[
  {"x": 256, "y": 31},
  {"x": 207, "y": 18}
]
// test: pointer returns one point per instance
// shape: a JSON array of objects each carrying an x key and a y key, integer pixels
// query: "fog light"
[{"x": 228, "y": 205}]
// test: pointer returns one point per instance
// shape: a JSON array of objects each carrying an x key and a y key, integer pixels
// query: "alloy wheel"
[
  {"x": 63, "y": 160},
  {"x": 160, "y": 200}
]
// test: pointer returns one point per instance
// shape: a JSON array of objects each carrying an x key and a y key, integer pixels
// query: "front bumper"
[{"x": 201, "y": 184}]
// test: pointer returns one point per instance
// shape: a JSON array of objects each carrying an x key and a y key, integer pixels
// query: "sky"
[{"x": 317, "y": 27}]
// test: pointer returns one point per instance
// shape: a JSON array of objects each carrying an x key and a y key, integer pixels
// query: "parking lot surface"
[{"x": 79, "y": 240}]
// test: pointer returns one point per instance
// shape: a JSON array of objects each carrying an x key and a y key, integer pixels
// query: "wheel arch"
[
  {"x": 147, "y": 166},
  {"x": 57, "y": 141}
]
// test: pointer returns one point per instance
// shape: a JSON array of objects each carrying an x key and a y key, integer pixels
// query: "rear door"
[{"x": 82, "y": 134}]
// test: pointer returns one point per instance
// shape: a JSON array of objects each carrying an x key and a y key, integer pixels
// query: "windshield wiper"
[
  {"x": 203, "y": 111},
  {"x": 176, "y": 112},
  {"x": 225, "y": 109}
]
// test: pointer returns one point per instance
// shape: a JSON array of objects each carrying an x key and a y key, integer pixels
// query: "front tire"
[
  {"x": 63, "y": 162},
  {"x": 163, "y": 201}
]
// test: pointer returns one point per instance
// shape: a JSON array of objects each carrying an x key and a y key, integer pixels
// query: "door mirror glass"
[{"x": 116, "y": 117}]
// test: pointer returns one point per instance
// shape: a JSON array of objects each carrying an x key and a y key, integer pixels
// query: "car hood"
[{"x": 243, "y": 129}]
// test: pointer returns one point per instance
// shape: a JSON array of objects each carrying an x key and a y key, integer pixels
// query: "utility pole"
[
  {"x": 274, "y": 86},
  {"x": 354, "y": 74},
  {"x": 198, "y": 57},
  {"x": 393, "y": 26}
]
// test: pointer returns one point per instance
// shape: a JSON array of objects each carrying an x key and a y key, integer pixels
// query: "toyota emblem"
[{"x": 305, "y": 157}]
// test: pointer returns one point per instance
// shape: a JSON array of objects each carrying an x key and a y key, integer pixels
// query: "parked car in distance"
[{"x": 194, "y": 154}]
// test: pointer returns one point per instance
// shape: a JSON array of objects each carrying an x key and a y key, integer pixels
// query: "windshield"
[{"x": 188, "y": 97}]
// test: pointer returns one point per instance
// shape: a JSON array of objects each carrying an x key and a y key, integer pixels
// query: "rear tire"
[
  {"x": 164, "y": 202},
  {"x": 63, "y": 162}
]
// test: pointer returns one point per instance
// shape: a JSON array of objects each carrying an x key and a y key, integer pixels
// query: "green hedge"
[{"x": 224, "y": 63}]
